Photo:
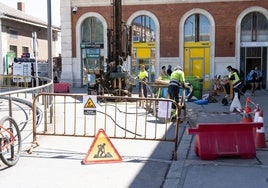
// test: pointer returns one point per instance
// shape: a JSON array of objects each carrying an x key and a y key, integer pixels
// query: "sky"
[{"x": 38, "y": 9}]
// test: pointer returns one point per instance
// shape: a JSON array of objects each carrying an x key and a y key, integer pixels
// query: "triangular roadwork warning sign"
[
  {"x": 89, "y": 104},
  {"x": 102, "y": 150}
]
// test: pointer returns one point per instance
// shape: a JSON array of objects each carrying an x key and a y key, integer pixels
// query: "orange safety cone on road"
[
  {"x": 246, "y": 117},
  {"x": 257, "y": 112},
  {"x": 260, "y": 135},
  {"x": 247, "y": 110},
  {"x": 256, "y": 116},
  {"x": 215, "y": 93}
]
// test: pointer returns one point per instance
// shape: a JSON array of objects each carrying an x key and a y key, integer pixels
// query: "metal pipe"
[{"x": 49, "y": 39}]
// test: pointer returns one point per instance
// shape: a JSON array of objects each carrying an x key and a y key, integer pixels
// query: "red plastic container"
[
  {"x": 61, "y": 88},
  {"x": 224, "y": 139}
]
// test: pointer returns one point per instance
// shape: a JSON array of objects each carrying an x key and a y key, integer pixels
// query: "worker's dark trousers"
[{"x": 173, "y": 92}]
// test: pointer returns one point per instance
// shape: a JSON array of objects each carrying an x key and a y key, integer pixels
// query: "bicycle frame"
[{"x": 6, "y": 142}]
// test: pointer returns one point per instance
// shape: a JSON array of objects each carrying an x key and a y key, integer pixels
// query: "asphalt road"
[{"x": 57, "y": 162}]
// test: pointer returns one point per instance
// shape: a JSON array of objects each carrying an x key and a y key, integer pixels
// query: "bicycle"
[{"x": 10, "y": 141}]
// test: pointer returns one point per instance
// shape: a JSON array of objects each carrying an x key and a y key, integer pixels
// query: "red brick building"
[{"x": 204, "y": 37}]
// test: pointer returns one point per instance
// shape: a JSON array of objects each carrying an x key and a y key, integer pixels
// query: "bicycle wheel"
[{"x": 10, "y": 140}]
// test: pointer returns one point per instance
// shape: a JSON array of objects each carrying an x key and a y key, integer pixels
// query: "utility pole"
[{"x": 49, "y": 39}]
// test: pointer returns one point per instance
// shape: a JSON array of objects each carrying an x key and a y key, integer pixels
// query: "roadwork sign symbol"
[
  {"x": 89, "y": 104},
  {"x": 102, "y": 150}
]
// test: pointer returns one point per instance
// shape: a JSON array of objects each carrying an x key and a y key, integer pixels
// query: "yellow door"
[
  {"x": 197, "y": 61},
  {"x": 197, "y": 67},
  {"x": 144, "y": 53}
]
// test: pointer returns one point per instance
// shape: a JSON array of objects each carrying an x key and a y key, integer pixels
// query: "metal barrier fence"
[
  {"x": 17, "y": 88},
  {"x": 119, "y": 117}
]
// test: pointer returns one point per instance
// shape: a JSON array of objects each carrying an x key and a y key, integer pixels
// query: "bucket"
[{"x": 164, "y": 92}]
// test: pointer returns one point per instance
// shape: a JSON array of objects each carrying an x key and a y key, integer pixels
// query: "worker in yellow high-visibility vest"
[
  {"x": 143, "y": 76},
  {"x": 177, "y": 80}
]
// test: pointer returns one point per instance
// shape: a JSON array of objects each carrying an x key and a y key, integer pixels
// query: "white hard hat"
[{"x": 178, "y": 68}]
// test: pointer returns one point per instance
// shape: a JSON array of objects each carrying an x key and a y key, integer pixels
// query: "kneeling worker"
[{"x": 177, "y": 80}]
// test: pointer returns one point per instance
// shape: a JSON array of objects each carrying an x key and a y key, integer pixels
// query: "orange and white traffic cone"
[
  {"x": 260, "y": 135},
  {"x": 247, "y": 110},
  {"x": 256, "y": 116},
  {"x": 215, "y": 93},
  {"x": 246, "y": 117},
  {"x": 257, "y": 112}
]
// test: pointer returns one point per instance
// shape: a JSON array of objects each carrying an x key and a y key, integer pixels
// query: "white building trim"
[
  {"x": 238, "y": 27},
  {"x": 157, "y": 34},
  {"x": 238, "y": 31},
  {"x": 212, "y": 37},
  {"x": 77, "y": 62}
]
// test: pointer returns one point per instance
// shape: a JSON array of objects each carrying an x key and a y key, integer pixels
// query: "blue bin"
[
  {"x": 164, "y": 92},
  {"x": 186, "y": 92}
]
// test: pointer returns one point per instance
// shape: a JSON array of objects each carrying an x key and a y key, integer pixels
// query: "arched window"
[
  {"x": 254, "y": 28},
  {"x": 143, "y": 28},
  {"x": 92, "y": 31},
  {"x": 196, "y": 28},
  {"x": 92, "y": 47},
  {"x": 143, "y": 45}
]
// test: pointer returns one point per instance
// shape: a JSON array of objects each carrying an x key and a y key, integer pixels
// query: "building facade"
[
  {"x": 202, "y": 36},
  {"x": 16, "y": 36}
]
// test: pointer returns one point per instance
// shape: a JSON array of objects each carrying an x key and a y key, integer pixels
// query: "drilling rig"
[{"x": 113, "y": 78}]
